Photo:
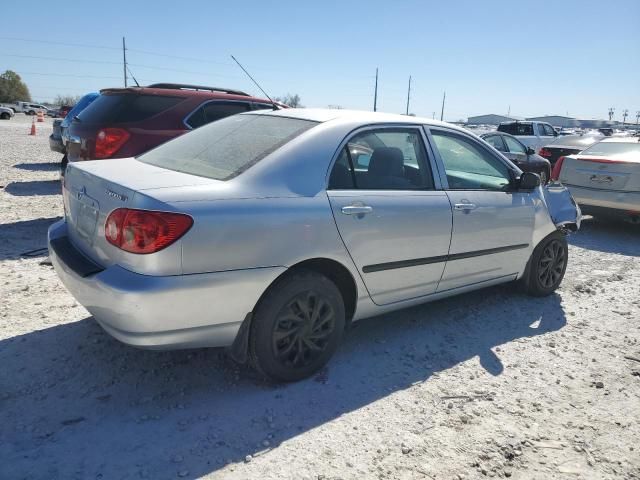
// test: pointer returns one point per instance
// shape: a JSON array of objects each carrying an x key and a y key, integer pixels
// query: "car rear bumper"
[
  {"x": 55, "y": 144},
  {"x": 629, "y": 201},
  {"x": 160, "y": 312}
]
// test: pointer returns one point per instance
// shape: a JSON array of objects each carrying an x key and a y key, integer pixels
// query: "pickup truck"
[{"x": 533, "y": 134}]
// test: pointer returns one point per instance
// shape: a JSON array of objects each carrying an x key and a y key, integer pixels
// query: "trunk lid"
[
  {"x": 92, "y": 190},
  {"x": 601, "y": 173}
]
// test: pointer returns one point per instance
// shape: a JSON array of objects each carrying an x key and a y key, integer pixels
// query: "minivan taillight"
[
  {"x": 145, "y": 231},
  {"x": 544, "y": 152},
  {"x": 109, "y": 141},
  {"x": 555, "y": 173}
]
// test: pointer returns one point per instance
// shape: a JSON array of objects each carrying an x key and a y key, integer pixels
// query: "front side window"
[
  {"x": 224, "y": 149},
  {"x": 384, "y": 159},
  {"x": 469, "y": 166},
  {"x": 514, "y": 146},
  {"x": 496, "y": 142}
]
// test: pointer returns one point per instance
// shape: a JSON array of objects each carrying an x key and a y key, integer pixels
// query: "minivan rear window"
[
  {"x": 224, "y": 149},
  {"x": 126, "y": 107},
  {"x": 617, "y": 149},
  {"x": 516, "y": 128}
]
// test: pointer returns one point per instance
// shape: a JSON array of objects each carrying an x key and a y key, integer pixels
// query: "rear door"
[
  {"x": 492, "y": 225},
  {"x": 390, "y": 212}
]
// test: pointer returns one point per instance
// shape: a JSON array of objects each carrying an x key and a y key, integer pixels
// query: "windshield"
[
  {"x": 616, "y": 149},
  {"x": 224, "y": 149},
  {"x": 516, "y": 128}
]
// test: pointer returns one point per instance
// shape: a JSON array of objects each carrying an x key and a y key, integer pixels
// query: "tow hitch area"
[{"x": 563, "y": 209}]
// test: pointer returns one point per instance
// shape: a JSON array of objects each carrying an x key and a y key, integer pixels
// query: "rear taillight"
[
  {"x": 109, "y": 141},
  {"x": 144, "y": 231},
  {"x": 544, "y": 152},
  {"x": 555, "y": 173}
]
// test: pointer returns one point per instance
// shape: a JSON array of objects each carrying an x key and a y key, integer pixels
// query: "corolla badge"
[{"x": 118, "y": 196}]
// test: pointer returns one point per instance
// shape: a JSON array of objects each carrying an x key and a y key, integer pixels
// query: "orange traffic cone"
[
  {"x": 33, "y": 127},
  {"x": 40, "y": 116}
]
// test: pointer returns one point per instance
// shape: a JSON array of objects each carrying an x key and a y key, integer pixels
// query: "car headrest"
[{"x": 387, "y": 161}]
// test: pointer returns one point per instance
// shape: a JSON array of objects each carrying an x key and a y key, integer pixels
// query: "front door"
[
  {"x": 492, "y": 224},
  {"x": 394, "y": 223}
]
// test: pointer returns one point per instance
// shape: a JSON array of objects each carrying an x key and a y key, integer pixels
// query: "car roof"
[
  {"x": 185, "y": 92},
  {"x": 357, "y": 116}
]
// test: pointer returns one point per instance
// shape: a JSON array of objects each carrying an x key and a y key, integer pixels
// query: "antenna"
[
  {"x": 375, "y": 94},
  {"x": 275, "y": 107},
  {"x": 131, "y": 73},
  {"x": 124, "y": 58},
  {"x": 442, "y": 111},
  {"x": 408, "y": 95}
]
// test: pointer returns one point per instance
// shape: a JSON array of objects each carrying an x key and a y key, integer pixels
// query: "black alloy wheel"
[{"x": 552, "y": 264}]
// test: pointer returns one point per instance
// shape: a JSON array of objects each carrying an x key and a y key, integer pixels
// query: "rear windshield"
[
  {"x": 126, "y": 107},
  {"x": 516, "y": 128},
  {"x": 224, "y": 149},
  {"x": 614, "y": 148}
]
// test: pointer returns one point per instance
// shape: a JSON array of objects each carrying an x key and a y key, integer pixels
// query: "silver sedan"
[{"x": 269, "y": 232}]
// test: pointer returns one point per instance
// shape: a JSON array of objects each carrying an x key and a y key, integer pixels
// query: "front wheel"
[
  {"x": 547, "y": 265},
  {"x": 5, "y": 116},
  {"x": 296, "y": 327}
]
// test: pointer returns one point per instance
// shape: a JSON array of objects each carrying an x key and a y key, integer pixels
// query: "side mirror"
[
  {"x": 530, "y": 151},
  {"x": 528, "y": 181}
]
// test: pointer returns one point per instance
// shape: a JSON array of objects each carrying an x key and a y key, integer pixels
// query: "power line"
[
  {"x": 66, "y": 75},
  {"x": 59, "y": 59},
  {"x": 59, "y": 43}
]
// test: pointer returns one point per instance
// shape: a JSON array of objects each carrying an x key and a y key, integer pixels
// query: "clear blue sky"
[{"x": 538, "y": 57}]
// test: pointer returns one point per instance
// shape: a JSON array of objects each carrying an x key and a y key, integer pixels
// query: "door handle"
[
  {"x": 465, "y": 206},
  {"x": 357, "y": 209}
]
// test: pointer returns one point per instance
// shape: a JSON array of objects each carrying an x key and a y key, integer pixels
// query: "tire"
[
  {"x": 286, "y": 343},
  {"x": 5, "y": 116},
  {"x": 31, "y": 113},
  {"x": 547, "y": 266}
]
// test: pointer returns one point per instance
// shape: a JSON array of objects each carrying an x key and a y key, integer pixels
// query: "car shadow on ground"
[
  {"x": 106, "y": 410},
  {"x": 39, "y": 167},
  {"x": 26, "y": 238},
  {"x": 608, "y": 236},
  {"x": 34, "y": 187}
]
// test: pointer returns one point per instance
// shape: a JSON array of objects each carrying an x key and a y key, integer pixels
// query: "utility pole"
[
  {"x": 375, "y": 93},
  {"x": 625, "y": 114},
  {"x": 434, "y": 115},
  {"x": 124, "y": 58},
  {"x": 509, "y": 111},
  {"x": 611, "y": 110},
  {"x": 442, "y": 111},
  {"x": 408, "y": 95},
  {"x": 637, "y": 117}
]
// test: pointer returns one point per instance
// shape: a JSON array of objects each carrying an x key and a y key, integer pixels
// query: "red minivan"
[{"x": 124, "y": 122}]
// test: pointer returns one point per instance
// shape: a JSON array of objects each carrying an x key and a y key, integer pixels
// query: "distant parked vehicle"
[
  {"x": 568, "y": 145},
  {"x": 270, "y": 232},
  {"x": 605, "y": 178},
  {"x": 524, "y": 157},
  {"x": 6, "y": 113},
  {"x": 59, "y": 138},
  {"x": 532, "y": 134},
  {"x": 34, "y": 108},
  {"x": 17, "y": 107},
  {"x": 125, "y": 122}
]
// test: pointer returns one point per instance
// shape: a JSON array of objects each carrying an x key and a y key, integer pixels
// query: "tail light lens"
[
  {"x": 545, "y": 152},
  {"x": 144, "y": 231},
  {"x": 555, "y": 173},
  {"x": 109, "y": 141}
]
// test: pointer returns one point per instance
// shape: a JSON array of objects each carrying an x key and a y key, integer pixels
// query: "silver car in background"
[
  {"x": 605, "y": 177},
  {"x": 269, "y": 232}
]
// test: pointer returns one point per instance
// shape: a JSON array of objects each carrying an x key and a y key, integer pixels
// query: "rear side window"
[
  {"x": 516, "y": 128},
  {"x": 614, "y": 149},
  {"x": 224, "y": 149},
  {"x": 496, "y": 142},
  {"x": 124, "y": 108},
  {"x": 212, "y": 111}
]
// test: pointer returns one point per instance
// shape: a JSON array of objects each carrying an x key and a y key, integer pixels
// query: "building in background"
[
  {"x": 490, "y": 119},
  {"x": 558, "y": 121}
]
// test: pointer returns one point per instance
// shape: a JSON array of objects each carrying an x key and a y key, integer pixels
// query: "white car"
[
  {"x": 604, "y": 178},
  {"x": 533, "y": 134},
  {"x": 6, "y": 113}
]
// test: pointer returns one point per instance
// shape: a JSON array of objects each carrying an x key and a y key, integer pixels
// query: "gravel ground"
[{"x": 493, "y": 383}]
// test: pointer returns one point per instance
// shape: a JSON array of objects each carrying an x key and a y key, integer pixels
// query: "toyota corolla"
[{"x": 269, "y": 232}]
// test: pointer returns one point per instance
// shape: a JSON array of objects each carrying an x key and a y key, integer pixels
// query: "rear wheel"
[
  {"x": 547, "y": 265},
  {"x": 296, "y": 327}
]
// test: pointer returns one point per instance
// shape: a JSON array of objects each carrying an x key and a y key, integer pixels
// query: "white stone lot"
[{"x": 493, "y": 383}]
